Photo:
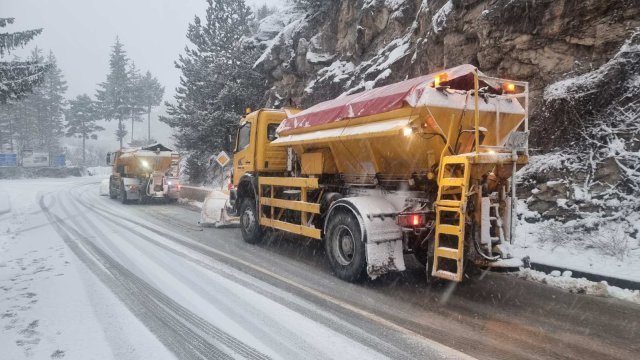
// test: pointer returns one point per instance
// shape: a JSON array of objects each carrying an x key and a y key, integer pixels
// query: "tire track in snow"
[
  {"x": 231, "y": 260},
  {"x": 183, "y": 332},
  {"x": 242, "y": 315}
]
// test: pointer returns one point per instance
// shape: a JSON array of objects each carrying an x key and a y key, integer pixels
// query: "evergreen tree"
[
  {"x": 51, "y": 96},
  {"x": 36, "y": 121},
  {"x": 113, "y": 94},
  {"x": 217, "y": 81},
  {"x": 135, "y": 96},
  {"x": 151, "y": 95},
  {"x": 81, "y": 121},
  {"x": 17, "y": 78},
  {"x": 264, "y": 11}
]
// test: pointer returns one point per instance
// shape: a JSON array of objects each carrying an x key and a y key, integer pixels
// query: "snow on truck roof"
[
  {"x": 152, "y": 147},
  {"x": 383, "y": 99}
]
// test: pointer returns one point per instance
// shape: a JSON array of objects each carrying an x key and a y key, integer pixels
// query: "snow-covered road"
[{"x": 85, "y": 277}]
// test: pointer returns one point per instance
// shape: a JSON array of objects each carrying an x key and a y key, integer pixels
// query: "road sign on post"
[{"x": 222, "y": 158}]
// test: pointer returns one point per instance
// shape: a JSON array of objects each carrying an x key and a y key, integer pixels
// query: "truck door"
[{"x": 243, "y": 158}]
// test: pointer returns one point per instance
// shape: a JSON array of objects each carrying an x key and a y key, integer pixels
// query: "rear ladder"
[{"x": 453, "y": 184}]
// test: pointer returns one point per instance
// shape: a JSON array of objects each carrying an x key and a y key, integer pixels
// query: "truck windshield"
[{"x": 244, "y": 134}]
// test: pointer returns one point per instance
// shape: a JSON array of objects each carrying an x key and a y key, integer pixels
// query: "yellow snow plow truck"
[
  {"x": 144, "y": 174},
  {"x": 421, "y": 167}
]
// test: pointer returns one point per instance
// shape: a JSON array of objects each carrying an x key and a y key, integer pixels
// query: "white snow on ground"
[
  {"x": 581, "y": 252},
  {"x": 193, "y": 203},
  {"x": 99, "y": 170},
  {"x": 51, "y": 306},
  {"x": 580, "y": 286},
  {"x": 607, "y": 249}
]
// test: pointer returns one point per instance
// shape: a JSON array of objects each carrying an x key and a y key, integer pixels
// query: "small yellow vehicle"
[
  {"x": 419, "y": 167},
  {"x": 144, "y": 174}
]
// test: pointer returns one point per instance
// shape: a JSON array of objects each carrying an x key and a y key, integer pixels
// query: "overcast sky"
[{"x": 81, "y": 33}]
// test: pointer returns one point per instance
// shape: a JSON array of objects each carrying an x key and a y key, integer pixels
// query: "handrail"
[{"x": 476, "y": 113}]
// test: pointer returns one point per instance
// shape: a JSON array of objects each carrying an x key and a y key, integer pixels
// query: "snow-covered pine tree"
[
  {"x": 151, "y": 94},
  {"x": 36, "y": 121},
  {"x": 136, "y": 105},
  {"x": 81, "y": 120},
  {"x": 50, "y": 123},
  {"x": 113, "y": 94},
  {"x": 217, "y": 81},
  {"x": 17, "y": 77}
]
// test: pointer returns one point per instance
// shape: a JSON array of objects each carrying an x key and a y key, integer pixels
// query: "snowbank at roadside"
[
  {"x": 192, "y": 203},
  {"x": 579, "y": 286},
  {"x": 98, "y": 170}
]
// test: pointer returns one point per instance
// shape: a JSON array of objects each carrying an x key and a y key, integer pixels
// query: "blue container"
[
  {"x": 59, "y": 161},
  {"x": 9, "y": 160}
]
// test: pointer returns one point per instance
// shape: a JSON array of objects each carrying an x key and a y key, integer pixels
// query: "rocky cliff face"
[
  {"x": 353, "y": 45},
  {"x": 581, "y": 57}
]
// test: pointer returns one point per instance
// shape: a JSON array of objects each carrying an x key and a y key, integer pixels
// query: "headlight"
[{"x": 144, "y": 163}]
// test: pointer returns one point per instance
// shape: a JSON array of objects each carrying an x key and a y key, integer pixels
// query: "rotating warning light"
[
  {"x": 440, "y": 78},
  {"x": 509, "y": 87}
]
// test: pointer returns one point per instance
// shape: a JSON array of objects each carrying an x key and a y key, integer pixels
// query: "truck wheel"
[
  {"x": 345, "y": 247},
  {"x": 112, "y": 194},
  {"x": 425, "y": 257},
  {"x": 123, "y": 194},
  {"x": 249, "y": 225}
]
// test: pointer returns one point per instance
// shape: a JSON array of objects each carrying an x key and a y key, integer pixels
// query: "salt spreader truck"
[
  {"x": 144, "y": 174},
  {"x": 423, "y": 166}
]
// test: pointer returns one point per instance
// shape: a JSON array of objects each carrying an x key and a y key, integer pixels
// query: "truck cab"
[{"x": 253, "y": 153}]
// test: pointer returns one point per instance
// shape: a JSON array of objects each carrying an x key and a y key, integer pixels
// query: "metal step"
[
  {"x": 448, "y": 181},
  {"x": 447, "y": 275},
  {"x": 449, "y": 230},
  {"x": 450, "y": 203},
  {"x": 448, "y": 253}
]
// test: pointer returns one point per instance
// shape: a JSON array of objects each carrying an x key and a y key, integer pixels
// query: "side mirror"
[{"x": 108, "y": 158}]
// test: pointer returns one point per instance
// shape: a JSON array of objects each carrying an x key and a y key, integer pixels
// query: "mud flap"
[
  {"x": 214, "y": 211},
  {"x": 384, "y": 257}
]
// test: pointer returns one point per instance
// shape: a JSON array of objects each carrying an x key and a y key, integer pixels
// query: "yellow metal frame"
[
  {"x": 454, "y": 206},
  {"x": 303, "y": 206}
]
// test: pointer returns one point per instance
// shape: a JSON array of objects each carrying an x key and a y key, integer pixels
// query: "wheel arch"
[
  {"x": 247, "y": 188},
  {"x": 381, "y": 235}
]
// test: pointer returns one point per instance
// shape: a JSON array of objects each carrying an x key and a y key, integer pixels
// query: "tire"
[
  {"x": 427, "y": 262},
  {"x": 123, "y": 194},
  {"x": 249, "y": 226},
  {"x": 112, "y": 194},
  {"x": 345, "y": 247},
  {"x": 425, "y": 257}
]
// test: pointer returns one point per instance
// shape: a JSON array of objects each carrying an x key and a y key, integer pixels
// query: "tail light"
[{"x": 414, "y": 220}]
